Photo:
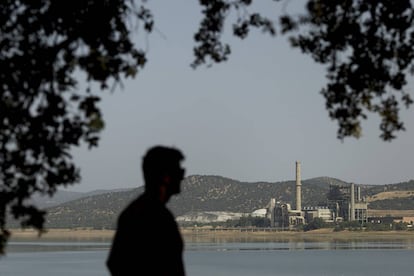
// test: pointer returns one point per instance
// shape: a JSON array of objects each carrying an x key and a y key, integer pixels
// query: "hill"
[
  {"x": 96, "y": 211},
  {"x": 62, "y": 196},
  {"x": 46, "y": 201},
  {"x": 216, "y": 193}
]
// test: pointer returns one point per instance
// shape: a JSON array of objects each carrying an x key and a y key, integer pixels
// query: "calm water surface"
[{"x": 227, "y": 259}]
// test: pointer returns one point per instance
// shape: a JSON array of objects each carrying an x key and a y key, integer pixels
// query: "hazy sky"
[{"x": 248, "y": 119}]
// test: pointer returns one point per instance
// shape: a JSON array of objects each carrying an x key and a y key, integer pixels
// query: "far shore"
[{"x": 217, "y": 235}]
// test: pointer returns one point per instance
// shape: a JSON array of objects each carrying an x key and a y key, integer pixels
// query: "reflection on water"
[
  {"x": 50, "y": 244},
  {"x": 298, "y": 242},
  {"x": 355, "y": 245},
  {"x": 224, "y": 258},
  {"x": 223, "y": 245},
  {"x": 37, "y": 246}
]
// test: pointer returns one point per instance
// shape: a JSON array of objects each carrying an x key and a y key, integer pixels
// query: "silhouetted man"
[{"x": 147, "y": 240}]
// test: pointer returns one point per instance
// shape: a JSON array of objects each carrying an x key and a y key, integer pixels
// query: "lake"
[{"x": 30, "y": 258}]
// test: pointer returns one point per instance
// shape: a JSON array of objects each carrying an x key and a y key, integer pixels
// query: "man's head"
[{"x": 161, "y": 168}]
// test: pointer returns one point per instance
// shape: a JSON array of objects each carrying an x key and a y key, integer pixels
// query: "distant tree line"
[{"x": 319, "y": 223}]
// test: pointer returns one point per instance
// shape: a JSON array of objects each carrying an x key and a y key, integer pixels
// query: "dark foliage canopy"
[
  {"x": 45, "y": 46},
  {"x": 367, "y": 47}
]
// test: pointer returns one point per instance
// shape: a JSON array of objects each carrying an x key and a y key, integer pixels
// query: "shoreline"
[
  {"x": 64, "y": 234},
  {"x": 219, "y": 235}
]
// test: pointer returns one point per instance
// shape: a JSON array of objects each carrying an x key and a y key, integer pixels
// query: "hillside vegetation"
[{"x": 216, "y": 193}]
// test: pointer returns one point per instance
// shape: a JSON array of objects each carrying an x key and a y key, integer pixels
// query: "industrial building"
[{"x": 343, "y": 204}]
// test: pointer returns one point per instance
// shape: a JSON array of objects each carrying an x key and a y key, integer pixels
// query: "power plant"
[{"x": 341, "y": 205}]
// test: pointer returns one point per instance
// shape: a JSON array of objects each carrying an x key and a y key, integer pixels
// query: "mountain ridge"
[{"x": 206, "y": 193}]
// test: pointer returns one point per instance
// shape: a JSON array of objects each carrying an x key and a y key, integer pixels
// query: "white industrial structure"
[{"x": 341, "y": 205}]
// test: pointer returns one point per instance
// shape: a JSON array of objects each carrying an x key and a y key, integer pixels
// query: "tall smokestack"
[
  {"x": 298, "y": 188},
  {"x": 352, "y": 215},
  {"x": 359, "y": 194}
]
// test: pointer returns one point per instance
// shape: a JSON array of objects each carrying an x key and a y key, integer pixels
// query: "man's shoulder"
[{"x": 135, "y": 206}]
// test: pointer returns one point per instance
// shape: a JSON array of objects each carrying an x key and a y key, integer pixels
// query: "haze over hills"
[
  {"x": 61, "y": 196},
  {"x": 216, "y": 193}
]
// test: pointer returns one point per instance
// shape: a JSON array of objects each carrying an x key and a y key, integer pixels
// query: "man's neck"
[{"x": 160, "y": 196}]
